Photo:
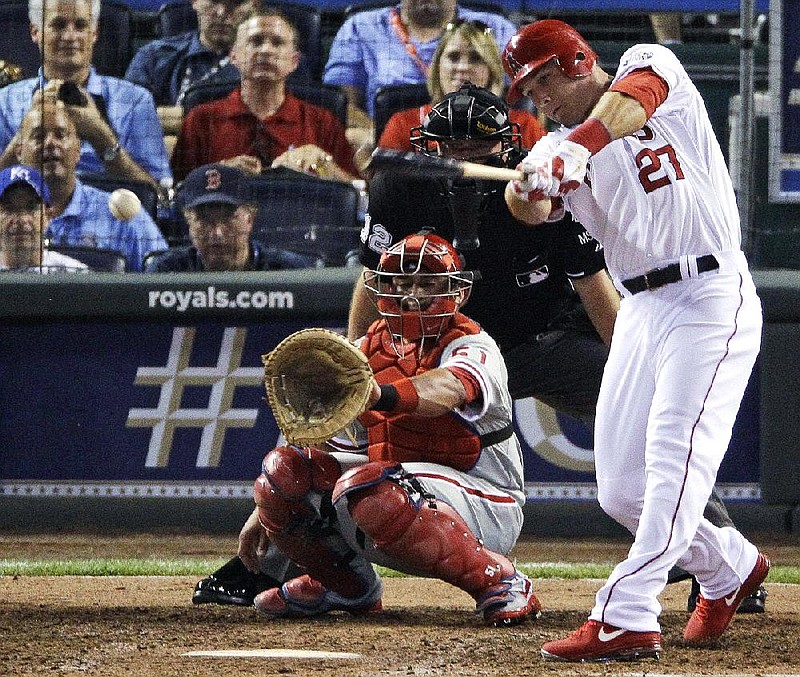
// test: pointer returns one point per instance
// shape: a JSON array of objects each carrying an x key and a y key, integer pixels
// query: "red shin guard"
[
  {"x": 288, "y": 496},
  {"x": 429, "y": 535}
]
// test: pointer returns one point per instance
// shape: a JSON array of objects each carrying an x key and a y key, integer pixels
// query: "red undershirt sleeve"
[
  {"x": 644, "y": 85},
  {"x": 470, "y": 384}
]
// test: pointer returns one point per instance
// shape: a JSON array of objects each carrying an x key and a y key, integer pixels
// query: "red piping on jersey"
[
  {"x": 689, "y": 455},
  {"x": 493, "y": 498}
]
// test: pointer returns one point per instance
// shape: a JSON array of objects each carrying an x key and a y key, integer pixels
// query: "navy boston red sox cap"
[{"x": 214, "y": 183}]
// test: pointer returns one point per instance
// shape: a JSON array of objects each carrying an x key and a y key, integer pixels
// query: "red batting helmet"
[
  {"x": 430, "y": 258},
  {"x": 532, "y": 46}
]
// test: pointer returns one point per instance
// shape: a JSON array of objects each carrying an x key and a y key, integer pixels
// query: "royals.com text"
[{"x": 211, "y": 297}]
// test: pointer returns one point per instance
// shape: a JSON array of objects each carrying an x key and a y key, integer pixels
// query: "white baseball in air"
[{"x": 124, "y": 204}]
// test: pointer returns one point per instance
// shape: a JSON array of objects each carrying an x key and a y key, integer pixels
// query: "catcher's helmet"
[
  {"x": 469, "y": 113},
  {"x": 532, "y": 46},
  {"x": 418, "y": 286}
]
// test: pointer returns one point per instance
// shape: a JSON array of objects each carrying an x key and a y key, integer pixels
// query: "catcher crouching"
[{"x": 428, "y": 480}]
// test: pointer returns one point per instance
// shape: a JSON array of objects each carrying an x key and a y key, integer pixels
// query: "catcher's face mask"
[{"x": 418, "y": 286}]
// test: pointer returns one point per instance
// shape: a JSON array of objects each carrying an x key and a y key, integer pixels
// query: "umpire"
[{"x": 525, "y": 298}]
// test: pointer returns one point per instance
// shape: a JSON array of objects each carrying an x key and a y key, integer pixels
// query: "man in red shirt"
[{"x": 260, "y": 124}]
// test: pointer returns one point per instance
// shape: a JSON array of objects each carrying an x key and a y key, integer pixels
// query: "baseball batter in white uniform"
[
  {"x": 431, "y": 484},
  {"x": 637, "y": 163}
]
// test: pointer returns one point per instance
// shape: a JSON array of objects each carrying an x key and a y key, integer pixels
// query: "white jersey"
[{"x": 663, "y": 192}]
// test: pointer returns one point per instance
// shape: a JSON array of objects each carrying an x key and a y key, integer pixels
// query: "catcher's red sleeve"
[{"x": 469, "y": 382}]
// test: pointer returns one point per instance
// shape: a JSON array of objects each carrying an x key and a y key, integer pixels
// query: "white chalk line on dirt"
[{"x": 272, "y": 653}]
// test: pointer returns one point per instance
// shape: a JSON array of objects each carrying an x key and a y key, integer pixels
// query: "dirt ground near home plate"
[{"x": 141, "y": 627}]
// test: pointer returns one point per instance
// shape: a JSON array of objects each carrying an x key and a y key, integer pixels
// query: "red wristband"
[
  {"x": 591, "y": 134},
  {"x": 407, "y": 397}
]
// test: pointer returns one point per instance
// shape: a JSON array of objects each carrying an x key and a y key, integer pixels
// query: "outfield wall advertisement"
[{"x": 175, "y": 409}]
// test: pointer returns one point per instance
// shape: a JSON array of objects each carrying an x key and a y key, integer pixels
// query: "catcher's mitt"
[{"x": 317, "y": 383}]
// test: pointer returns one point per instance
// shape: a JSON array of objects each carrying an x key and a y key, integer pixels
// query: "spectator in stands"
[
  {"x": 667, "y": 28},
  {"x": 393, "y": 46},
  {"x": 217, "y": 206},
  {"x": 259, "y": 124},
  {"x": 466, "y": 53},
  {"x": 23, "y": 198},
  {"x": 116, "y": 120},
  {"x": 169, "y": 66},
  {"x": 79, "y": 214}
]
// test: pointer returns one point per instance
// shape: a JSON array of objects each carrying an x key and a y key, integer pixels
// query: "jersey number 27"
[{"x": 652, "y": 174}]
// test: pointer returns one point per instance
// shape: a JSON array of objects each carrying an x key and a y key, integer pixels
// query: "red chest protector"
[{"x": 407, "y": 437}]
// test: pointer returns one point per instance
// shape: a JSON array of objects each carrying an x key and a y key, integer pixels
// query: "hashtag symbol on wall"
[{"x": 216, "y": 417}]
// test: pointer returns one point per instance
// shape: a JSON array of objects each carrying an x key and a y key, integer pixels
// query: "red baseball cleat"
[
  {"x": 711, "y": 617},
  {"x": 596, "y": 641}
]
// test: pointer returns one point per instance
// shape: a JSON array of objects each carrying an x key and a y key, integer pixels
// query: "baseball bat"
[{"x": 429, "y": 166}]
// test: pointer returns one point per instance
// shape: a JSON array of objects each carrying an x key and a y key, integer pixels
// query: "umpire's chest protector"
[{"x": 406, "y": 437}]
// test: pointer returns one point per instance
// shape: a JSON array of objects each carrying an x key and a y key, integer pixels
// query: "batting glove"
[
  {"x": 538, "y": 180},
  {"x": 568, "y": 167}
]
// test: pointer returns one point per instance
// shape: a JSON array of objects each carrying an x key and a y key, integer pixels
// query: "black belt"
[{"x": 658, "y": 277}]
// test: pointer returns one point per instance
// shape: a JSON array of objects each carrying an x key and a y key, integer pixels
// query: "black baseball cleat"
[
  {"x": 752, "y": 604},
  {"x": 232, "y": 583}
]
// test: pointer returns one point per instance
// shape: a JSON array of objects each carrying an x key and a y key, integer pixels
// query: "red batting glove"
[{"x": 538, "y": 175}]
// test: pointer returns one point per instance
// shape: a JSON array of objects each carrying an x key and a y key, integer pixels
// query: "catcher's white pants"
[{"x": 680, "y": 360}]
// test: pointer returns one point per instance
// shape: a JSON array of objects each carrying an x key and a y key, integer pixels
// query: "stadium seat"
[
  {"x": 16, "y": 46},
  {"x": 99, "y": 260},
  {"x": 178, "y": 17},
  {"x": 393, "y": 98},
  {"x": 306, "y": 214},
  {"x": 222, "y": 83},
  {"x": 114, "y": 47},
  {"x": 327, "y": 96},
  {"x": 112, "y": 51}
]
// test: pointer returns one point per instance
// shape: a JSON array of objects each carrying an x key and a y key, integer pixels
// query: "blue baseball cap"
[
  {"x": 214, "y": 183},
  {"x": 24, "y": 174}
]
